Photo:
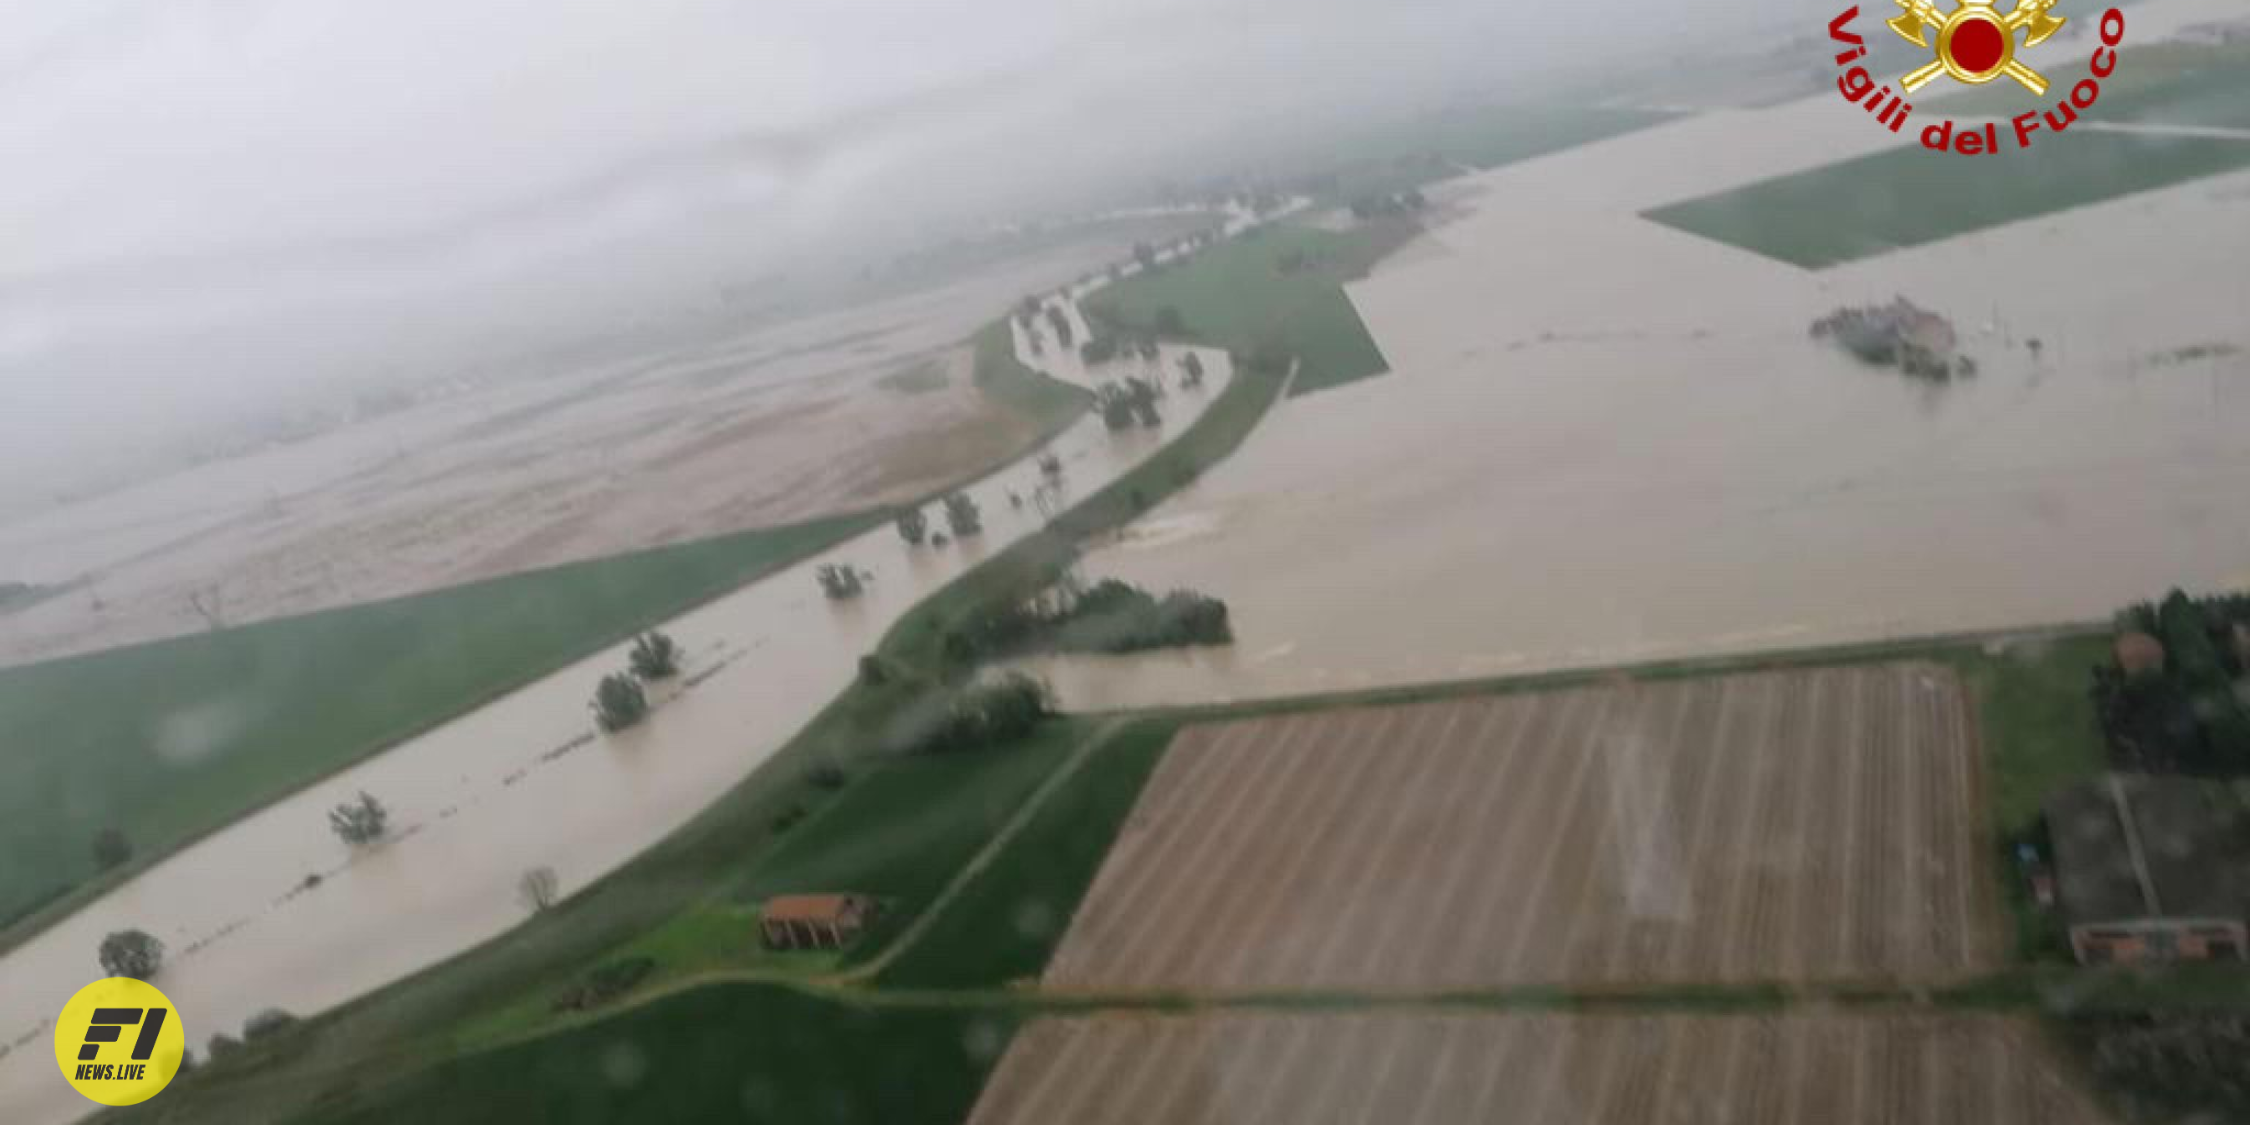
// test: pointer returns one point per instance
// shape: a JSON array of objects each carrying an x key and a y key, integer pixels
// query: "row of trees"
[
  {"x": 1112, "y": 616},
  {"x": 2181, "y": 712},
  {"x": 619, "y": 700},
  {"x": 988, "y": 713},
  {"x": 961, "y": 514},
  {"x": 1130, "y": 403}
]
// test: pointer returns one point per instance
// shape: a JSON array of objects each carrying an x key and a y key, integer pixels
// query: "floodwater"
[
  {"x": 518, "y": 784},
  {"x": 1605, "y": 440},
  {"x": 725, "y": 428}
]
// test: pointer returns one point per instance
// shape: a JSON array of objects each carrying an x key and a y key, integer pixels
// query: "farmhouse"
[
  {"x": 828, "y": 921},
  {"x": 2152, "y": 868}
]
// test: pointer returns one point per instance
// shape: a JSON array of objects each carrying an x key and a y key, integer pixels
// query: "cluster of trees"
[
  {"x": 840, "y": 581},
  {"x": 1111, "y": 616},
  {"x": 913, "y": 526},
  {"x": 987, "y": 713},
  {"x": 360, "y": 822},
  {"x": 268, "y": 1024},
  {"x": 619, "y": 700},
  {"x": 1128, "y": 404},
  {"x": 131, "y": 953},
  {"x": 963, "y": 515},
  {"x": 2193, "y": 1067},
  {"x": 2184, "y": 714}
]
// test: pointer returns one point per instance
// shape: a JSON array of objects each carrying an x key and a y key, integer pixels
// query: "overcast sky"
[{"x": 207, "y": 200}]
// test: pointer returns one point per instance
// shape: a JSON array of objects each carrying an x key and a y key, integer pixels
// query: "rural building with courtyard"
[{"x": 2152, "y": 869}]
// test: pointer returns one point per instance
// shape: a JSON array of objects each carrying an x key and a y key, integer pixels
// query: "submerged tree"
[
  {"x": 839, "y": 581},
  {"x": 1191, "y": 370},
  {"x": 360, "y": 822},
  {"x": 538, "y": 889},
  {"x": 131, "y": 953},
  {"x": 913, "y": 526},
  {"x": 654, "y": 656},
  {"x": 619, "y": 702},
  {"x": 962, "y": 515}
]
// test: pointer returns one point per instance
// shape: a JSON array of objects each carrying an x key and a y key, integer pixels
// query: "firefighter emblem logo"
[{"x": 1975, "y": 43}]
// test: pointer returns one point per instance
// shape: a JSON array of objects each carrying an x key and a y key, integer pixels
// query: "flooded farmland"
[
  {"x": 273, "y": 911},
  {"x": 1606, "y": 440}
]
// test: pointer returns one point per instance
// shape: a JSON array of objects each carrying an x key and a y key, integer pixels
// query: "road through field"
[
  {"x": 1429, "y": 1068},
  {"x": 523, "y": 782},
  {"x": 1808, "y": 824}
]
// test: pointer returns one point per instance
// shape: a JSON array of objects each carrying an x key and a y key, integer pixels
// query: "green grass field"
[
  {"x": 1905, "y": 197},
  {"x": 1276, "y": 287},
  {"x": 1005, "y": 923},
  {"x": 170, "y": 740},
  {"x": 897, "y": 831},
  {"x": 1000, "y": 375},
  {"x": 731, "y": 1052},
  {"x": 2205, "y": 84}
]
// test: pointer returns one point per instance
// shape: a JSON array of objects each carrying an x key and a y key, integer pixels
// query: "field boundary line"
[{"x": 1090, "y": 746}]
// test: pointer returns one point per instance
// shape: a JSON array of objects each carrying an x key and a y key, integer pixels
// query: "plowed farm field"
[
  {"x": 1409, "y": 1068},
  {"x": 1808, "y": 824}
]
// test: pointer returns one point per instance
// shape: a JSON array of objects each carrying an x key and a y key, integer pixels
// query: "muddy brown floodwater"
[
  {"x": 1605, "y": 440},
  {"x": 517, "y": 784}
]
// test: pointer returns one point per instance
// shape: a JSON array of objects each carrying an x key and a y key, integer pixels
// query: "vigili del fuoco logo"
[
  {"x": 119, "y": 1041},
  {"x": 1974, "y": 44}
]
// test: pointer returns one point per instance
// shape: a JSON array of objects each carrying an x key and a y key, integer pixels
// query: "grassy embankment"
[
  {"x": 2201, "y": 84},
  {"x": 1906, "y": 196},
  {"x": 1277, "y": 289}
]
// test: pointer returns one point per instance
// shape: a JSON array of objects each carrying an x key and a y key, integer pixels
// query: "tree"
[
  {"x": 221, "y": 1046},
  {"x": 111, "y": 848},
  {"x": 1060, "y": 322},
  {"x": 654, "y": 656},
  {"x": 266, "y": 1024},
  {"x": 619, "y": 702},
  {"x": 131, "y": 953},
  {"x": 1145, "y": 254},
  {"x": 963, "y": 516},
  {"x": 538, "y": 888},
  {"x": 913, "y": 526},
  {"x": 1050, "y": 464},
  {"x": 1191, "y": 370},
  {"x": 359, "y": 822}
]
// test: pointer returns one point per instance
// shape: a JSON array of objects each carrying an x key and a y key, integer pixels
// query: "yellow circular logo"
[{"x": 119, "y": 1041}]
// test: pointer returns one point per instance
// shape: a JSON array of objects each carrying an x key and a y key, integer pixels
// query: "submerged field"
[
  {"x": 1272, "y": 289},
  {"x": 169, "y": 740},
  {"x": 1907, "y": 196}
]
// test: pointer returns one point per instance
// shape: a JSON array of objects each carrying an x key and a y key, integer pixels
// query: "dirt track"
[
  {"x": 1812, "y": 824},
  {"x": 1404, "y": 1068}
]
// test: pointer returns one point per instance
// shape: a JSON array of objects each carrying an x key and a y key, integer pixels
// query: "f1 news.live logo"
[
  {"x": 108, "y": 1026},
  {"x": 120, "y": 1041}
]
